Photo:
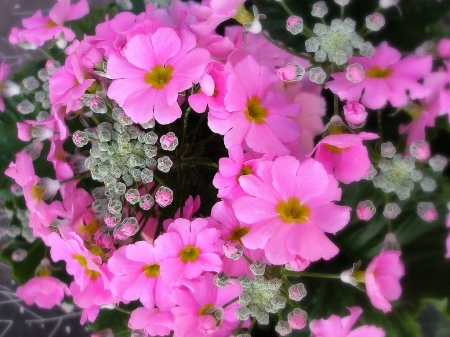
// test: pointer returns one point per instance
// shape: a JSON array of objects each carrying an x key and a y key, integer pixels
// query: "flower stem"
[
  {"x": 286, "y": 8},
  {"x": 309, "y": 274},
  {"x": 84, "y": 176},
  {"x": 230, "y": 302},
  {"x": 46, "y": 53},
  {"x": 251, "y": 325}
]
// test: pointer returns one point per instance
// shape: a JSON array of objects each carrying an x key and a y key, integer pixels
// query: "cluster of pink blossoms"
[{"x": 279, "y": 191}]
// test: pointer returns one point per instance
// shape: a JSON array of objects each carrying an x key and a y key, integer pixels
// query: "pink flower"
[
  {"x": 39, "y": 29},
  {"x": 436, "y": 103},
  {"x": 443, "y": 48},
  {"x": 382, "y": 279},
  {"x": 69, "y": 83},
  {"x": 214, "y": 13},
  {"x": 355, "y": 113},
  {"x": 336, "y": 326},
  {"x": 194, "y": 314},
  {"x": 290, "y": 72},
  {"x": 80, "y": 262},
  {"x": 344, "y": 155},
  {"x": 287, "y": 201},
  {"x": 136, "y": 275},
  {"x": 255, "y": 111},
  {"x": 45, "y": 291},
  {"x": 230, "y": 169},
  {"x": 188, "y": 249},
  {"x": 154, "y": 321},
  {"x": 365, "y": 210},
  {"x": 387, "y": 78},
  {"x": 152, "y": 71}
]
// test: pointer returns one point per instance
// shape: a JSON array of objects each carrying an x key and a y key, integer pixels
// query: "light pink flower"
[
  {"x": 69, "y": 83},
  {"x": 136, "y": 275},
  {"x": 256, "y": 110},
  {"x": 152, "y": 71},
  {"x": 188, "y": 249},
  {"x": 80, "y": 262},
  {"x": 45, "y": 291},
  {"x": 443, "y": 48},
  {"x": 230, "y": 169},
  {"x": 435, "y": 104},
  {"x": 287, "y": 201},
  {"x": 336, "y": 326},
  {"x": 194, "y": 314},
  {"x": 355, "y": 113},
  {"x": 344, "y": 155},
  {"x": 382, "y": 279},
  {"x": 39, "y": 29},
  {"x": 387, "y": 79},
  {"x": 154, "y": 321},
  {"x": 209, "y": 16}
]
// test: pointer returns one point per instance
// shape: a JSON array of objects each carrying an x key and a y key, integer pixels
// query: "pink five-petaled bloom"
[
  {"x": 256, "y": 110},
  {"x": 387, "y": 78},
  {"x": 344, "y": 155},
  {"x": 289, "y": 208},
  {"x": 39, "y": 29},
  {"x": 336, "y": 326},
  {"x": 195, "y": 312},
  {"x": 188, "y": 249},
  {"x": 355, "y": 113},
  {"x": 136, "y": 270},
  {"x": 80, "y": 262},
  {"x": 45, "y": 291},
  {"x": 382, "y": 278},
  {"x": 152, "y": 71}
]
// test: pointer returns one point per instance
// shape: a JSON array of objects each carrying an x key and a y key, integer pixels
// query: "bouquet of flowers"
[{"x": 231, "y": 168}]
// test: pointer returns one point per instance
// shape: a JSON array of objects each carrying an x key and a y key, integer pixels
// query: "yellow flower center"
[
  {"x": 189, "y": 254},
  {"x": 292, "y": 210},
  {"x": 90, "y": 228},
  {"x": 205, "y": 308},
  {"x": 378, "y": 72},
  {"x": 159, "y": 76},
  {"x": 243, "y": 16},
  {"x": 245, "y": 171},
  {"x": 238, "y": 234},
  {"x": 359, "y": 276},
  {"x": 151, "y": 270},
  {"x": 335, "y": 149},
  {"x": 37, "y": 192},
  {"x": 50, "y": 24},
  {"x": 82, "y": 261},
  {"x": 255, "y": 112}
]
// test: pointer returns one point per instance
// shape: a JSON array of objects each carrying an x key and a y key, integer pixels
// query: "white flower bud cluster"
[{"x": 260, "y": 296}]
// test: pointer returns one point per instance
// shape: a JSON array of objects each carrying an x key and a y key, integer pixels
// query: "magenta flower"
[
  {"x": 344, "y": 155},
  {"x": 195, "y": 312},
  {"x": 188, "y": 249},
  {"x": 39, "y": 29},
  {"x": 382, "y": 279},
  {"x": 214, "y": 13},
  {"x": 154, "y": 322},
  {"x": 256, "y": 110},
  {"x": 336, "y": 326},
  {"x": 136, "y": 275},
  {"x": 80, "y": 262},
  {"x": 355, "y": 113},
  {"x": 69, "y": 83},
  {"x": 289, "y": 207},
  {"x": 152, "y": 71},
  {"x": 45, "y": 291},
  {"x": 387, "y": 79}
]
